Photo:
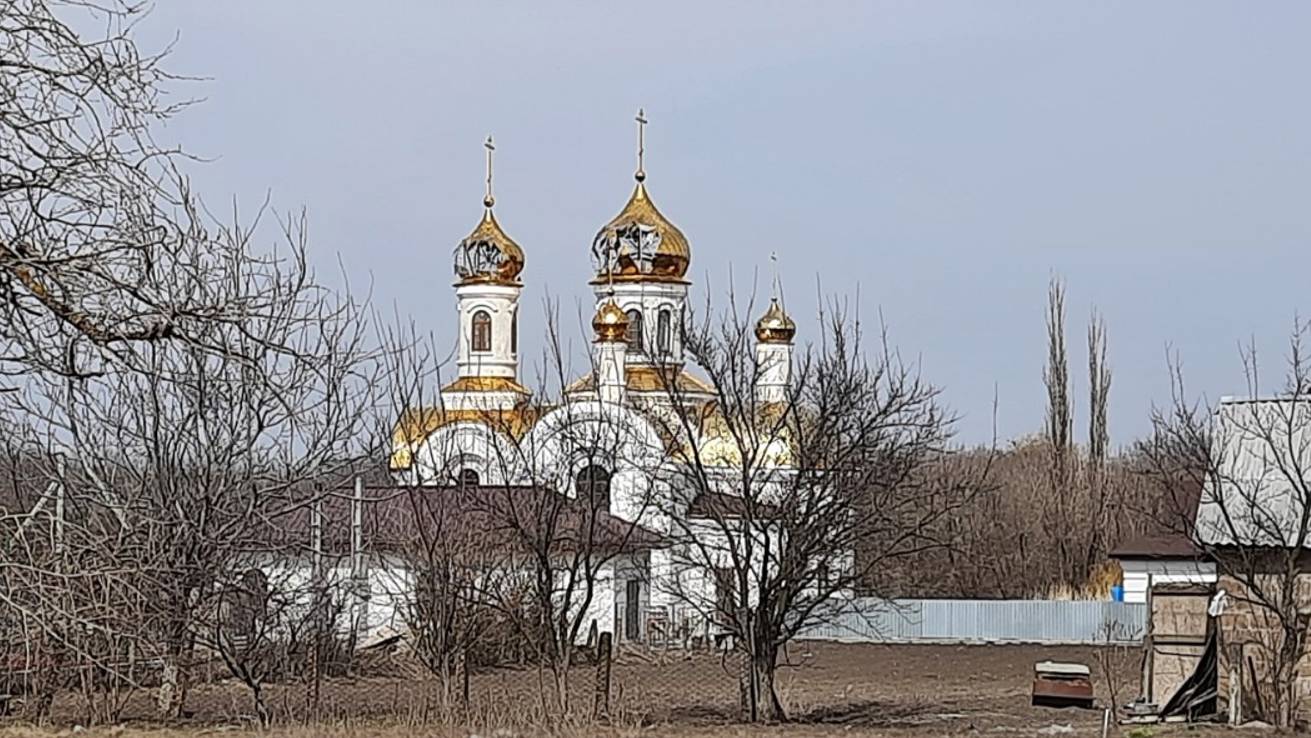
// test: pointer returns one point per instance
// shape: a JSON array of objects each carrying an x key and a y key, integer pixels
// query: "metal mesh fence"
[{"x": 657, "y": 674}]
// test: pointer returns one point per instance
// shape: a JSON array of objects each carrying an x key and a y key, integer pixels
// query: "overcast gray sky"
[{"x": 941, "y": 158}]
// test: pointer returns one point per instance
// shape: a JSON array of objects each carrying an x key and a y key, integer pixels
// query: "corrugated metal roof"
[{"x": 1262, "y": 481}]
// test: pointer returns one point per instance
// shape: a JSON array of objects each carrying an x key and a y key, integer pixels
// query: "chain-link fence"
[
  {"x": 650, "y": 672},
  {"x": 952, "y": 687}
]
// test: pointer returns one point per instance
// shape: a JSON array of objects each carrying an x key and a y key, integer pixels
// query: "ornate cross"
[
  {"x": 773, "y": 264},
  {"x": 488, "y": 200},
  {"x": 641, "y": 144}
]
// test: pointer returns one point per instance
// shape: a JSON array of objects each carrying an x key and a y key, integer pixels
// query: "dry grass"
[
  {"x": 408, "y": 731},
  {"x": 396, "y": 731},
  {"x": 829, "y": 690}
]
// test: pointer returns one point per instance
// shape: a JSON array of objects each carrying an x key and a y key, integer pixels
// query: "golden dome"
[
  {"x": 770, "y": 444},
  {"x": 640, "y": 244},
  {"x": 488, "y": 255},
  {"x": 610, "y": 323},
  {"x": 775, "y": 326}
]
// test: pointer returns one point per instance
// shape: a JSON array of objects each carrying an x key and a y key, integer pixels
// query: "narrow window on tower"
[
  {"x": 514, "y": 332},
  {"x": 482, "y": 331},
  {"x": 635, "y": 331},
  {"x": 662, "y": 331}
]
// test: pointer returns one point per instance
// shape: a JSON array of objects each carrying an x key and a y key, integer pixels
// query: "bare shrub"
[{"x": 1116, "y": 661}]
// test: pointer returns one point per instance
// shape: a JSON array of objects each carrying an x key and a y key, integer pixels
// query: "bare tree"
[
  {"x": 447, "y": 557},
  {"x": 92, "y": 210},
  {"x": 590, "y": 470},
  {"x": 69, "y": 596},
  {"x": 1099, "y": 388},
  {"x": 449, "y": 615},
  {"x": 1248, "y": 460},
  {"x": 532, "y": 509},
  {"x": 185, "y": 464},
  {"x": 449, "y": 561},
  {"x": 1059, "y": 425},
  {"x": 785, "y": 506},
  {"x": 1056, "y": 377},
  {"x": 1117, "y": 659}
]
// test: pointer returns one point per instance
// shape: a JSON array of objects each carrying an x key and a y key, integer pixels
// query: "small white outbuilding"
[{"x": 1151, "y": 560}]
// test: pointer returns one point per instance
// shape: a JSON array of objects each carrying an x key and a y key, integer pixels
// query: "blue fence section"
[{"x": 870, "y": 620}]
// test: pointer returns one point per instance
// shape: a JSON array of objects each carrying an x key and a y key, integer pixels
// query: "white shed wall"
[{"x": 1137, "y": 573}]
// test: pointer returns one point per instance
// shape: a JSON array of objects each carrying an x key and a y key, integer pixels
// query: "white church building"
[{"x": 616, "y": 435}]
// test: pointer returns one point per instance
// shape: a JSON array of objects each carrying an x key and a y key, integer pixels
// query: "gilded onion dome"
[
  {"x": 488, "y": 255},
  {"x": 610, "y": 323},
  {"x": 775, "y": 326},
  {"x": 640, "y": 244}
]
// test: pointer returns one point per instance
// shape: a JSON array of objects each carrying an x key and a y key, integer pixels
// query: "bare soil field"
[{"x": 828, "y": 689}]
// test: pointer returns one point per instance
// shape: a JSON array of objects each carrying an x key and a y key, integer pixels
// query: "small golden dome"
[
  {"x": 640, "y": 244},
  {"x": 488, "y": 255},
  {"x": 775, "y": 326},
  {"x": 610, "y": 323}
]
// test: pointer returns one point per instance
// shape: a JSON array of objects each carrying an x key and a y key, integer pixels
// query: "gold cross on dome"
[
  {"x": 641, "y": 144},
  {"x": 773, "y": 263},
  {"x": 488, "y": 200}
]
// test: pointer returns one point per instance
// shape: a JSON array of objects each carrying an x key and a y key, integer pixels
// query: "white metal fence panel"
[{"x": 873, "y": 620}]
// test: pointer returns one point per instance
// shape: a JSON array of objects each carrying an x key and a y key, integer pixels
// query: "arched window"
[
  {"x": 634, "y": 335},
  {"x": 593, "y": 483},
  {"x": 467, "y": 478},
  {"x": 482, "y": 331},
  {"x": 514, "y": 331},
  {"x": 663, "y": 330}
]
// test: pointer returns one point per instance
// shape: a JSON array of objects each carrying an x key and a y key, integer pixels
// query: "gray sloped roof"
[{"x": 1259, "y": 490}]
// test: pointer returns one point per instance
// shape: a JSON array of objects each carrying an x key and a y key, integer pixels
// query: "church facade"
[{"x": 622, "y": 441}]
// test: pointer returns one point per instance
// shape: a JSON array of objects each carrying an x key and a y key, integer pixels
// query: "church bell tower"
[
  {"x": 641, "y": 261},
  {"x": 487, "y": 288}
]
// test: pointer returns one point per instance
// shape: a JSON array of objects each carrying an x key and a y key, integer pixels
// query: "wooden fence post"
[{"x": 604, "y": 649}]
